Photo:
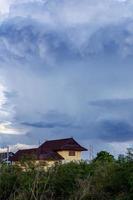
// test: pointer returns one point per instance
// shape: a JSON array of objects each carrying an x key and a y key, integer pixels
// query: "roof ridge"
[{"x": 27, "y": 149}]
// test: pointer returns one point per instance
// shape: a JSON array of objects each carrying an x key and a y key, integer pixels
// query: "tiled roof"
[
  {"x": 48, "y": 150},
  {"x": 30, "y": 153},
  {"x": 60, "y": 145},
  {"x": 50, "y": 155},
  {"x": 34, "y": 154}
]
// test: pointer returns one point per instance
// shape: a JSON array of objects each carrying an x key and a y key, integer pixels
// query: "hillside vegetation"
[{"x": 102, "y": 179}]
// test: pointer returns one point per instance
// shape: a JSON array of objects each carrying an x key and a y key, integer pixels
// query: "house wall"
[{"x": 65, "y": 155}]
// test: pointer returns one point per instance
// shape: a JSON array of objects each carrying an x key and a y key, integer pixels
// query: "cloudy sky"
[{"x": 66, "y": 70}]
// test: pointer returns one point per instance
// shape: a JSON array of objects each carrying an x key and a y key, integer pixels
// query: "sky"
[{"x": 66, "y": 70}]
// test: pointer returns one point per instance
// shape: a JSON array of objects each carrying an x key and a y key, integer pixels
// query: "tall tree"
[{"x": 104, "y": 156}]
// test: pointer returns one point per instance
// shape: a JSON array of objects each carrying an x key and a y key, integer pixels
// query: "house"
[{"x": 63, "y": 150}]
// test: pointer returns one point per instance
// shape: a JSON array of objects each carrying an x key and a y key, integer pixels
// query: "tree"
[
  {"x": 130, "y": 154},
  {"x": 104, "y": 156}
]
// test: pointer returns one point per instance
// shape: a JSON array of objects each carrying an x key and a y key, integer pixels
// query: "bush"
[{"x": 98, "y": 180}]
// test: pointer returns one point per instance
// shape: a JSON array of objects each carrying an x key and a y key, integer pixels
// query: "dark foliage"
[{"x": 103, "y": 179}]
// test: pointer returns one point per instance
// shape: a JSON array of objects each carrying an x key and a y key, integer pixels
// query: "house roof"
[
  {"x": 48, "y": 150},
  {"x": 61, "y": 144},
  {"x": 24, "y": 153},
  {"x": 34, "y": 154},
  {"x": 50, "y": 155}
]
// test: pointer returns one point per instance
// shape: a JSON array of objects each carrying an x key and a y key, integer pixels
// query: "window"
[{"x": 71, "y": 153}]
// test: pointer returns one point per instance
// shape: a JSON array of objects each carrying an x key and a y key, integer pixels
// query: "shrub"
[{"x": 98, "y": 180}]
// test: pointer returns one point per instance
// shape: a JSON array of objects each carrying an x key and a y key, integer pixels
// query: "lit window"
[{"x": 71, "y": 153}]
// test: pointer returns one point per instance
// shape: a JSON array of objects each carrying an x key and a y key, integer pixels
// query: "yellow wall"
[{"x": 65, "y": 155}]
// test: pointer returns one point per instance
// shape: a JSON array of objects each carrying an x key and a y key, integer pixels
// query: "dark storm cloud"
[
  {"x": 114, "y": 104},
  {"x": 52, "y": 120},
  {"x": 27, "y": 41},
  {"x": 115, "y": 130}
]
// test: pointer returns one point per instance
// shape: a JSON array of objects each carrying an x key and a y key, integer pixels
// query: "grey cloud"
[
  {"x": 37, "y": 43},
  {"x": 115, "y": 130},
  {"x": 72, "y": 57},
  {"x": 28, "y": 39},
  {"x": 114, "y": 104},
  {"x": 52, "y": 120},
  {"x": 44, "y": 125}
]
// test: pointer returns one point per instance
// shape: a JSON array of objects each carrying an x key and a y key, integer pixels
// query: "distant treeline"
[{"x": 104, "y": 178}]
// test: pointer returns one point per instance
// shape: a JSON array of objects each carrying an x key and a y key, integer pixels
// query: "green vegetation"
[{"x": 103, "y": 179}]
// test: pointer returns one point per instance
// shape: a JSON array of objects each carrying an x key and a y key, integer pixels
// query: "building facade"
[{"x": 62, "y": 150}]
